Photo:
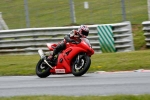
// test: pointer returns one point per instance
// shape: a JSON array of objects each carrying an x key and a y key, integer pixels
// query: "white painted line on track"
[{"x": 139, "y": 70}]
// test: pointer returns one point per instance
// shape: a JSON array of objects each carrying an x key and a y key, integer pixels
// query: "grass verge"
[
  {"x": 25, "y": 64},
  {"x": 47, "y": 13},
  {"x": 46, "y": 97}
]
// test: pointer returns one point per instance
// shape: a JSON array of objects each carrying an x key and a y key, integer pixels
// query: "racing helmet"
[{"x": 83, "y": 31}]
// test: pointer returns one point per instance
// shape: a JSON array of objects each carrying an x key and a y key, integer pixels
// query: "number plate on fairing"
[{"x": 60, "y": 70}]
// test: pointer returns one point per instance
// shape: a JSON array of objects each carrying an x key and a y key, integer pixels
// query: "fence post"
[
  {"x": 3, "y": 25},
  {"x": 72, "y": 11},
  {"x": 123, "y": 10},
  {"x": 27, "y": 13},
  {"x": 148, "y": 2}
]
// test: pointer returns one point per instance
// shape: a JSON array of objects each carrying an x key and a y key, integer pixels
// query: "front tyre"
[
  {"x": 42, "y": 69},
  {"x": 81, "y": 67}
]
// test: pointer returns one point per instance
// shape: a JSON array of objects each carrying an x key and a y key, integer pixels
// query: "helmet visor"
[{"x": 85, "y": 33}]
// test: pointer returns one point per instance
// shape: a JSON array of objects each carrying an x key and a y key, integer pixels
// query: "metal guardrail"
[
  {"x": 28, "y": 41},
  {"x": 146, "y": 29},
  {"x": 123, "y": 37},
  {"x": 119, "y": 39}
]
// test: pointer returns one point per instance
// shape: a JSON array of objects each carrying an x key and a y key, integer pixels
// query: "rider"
[{"x": 73, "y": 36}]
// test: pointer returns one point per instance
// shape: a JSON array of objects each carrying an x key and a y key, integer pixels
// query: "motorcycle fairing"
[
  {"x": 51, "y": 46},
  {"x": 66, "y": 56}
]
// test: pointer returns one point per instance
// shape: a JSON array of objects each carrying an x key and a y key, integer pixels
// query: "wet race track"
[{"x": 68, "y": 85}]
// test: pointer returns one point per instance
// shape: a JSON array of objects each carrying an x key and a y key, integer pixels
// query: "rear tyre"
[
  {"x": 78, "y": 69},
  {"x": 42, "y": 69}
]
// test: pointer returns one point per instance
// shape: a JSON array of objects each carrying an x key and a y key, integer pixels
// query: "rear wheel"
[
  {"x": 81, "y": 65},
  {"x": 42, "y": 69}
]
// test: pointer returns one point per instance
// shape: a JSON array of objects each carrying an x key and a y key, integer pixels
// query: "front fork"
[{"x": 78, "y": 60}]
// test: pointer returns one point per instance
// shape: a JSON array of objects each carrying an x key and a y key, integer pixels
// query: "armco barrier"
[
  {"x": 119, "y": 39},
  {"x": 146, "y": 29},
  {"x": 28, "y": 41},
  {"x": 106, "y": 38},
  {"x": 123, "y": 37}
]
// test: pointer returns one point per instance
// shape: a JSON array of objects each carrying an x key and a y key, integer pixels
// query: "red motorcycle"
[{"x": 74, "y": 59}]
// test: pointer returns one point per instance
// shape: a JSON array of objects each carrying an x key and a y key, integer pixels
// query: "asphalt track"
[{"x": 68, "y": 85}]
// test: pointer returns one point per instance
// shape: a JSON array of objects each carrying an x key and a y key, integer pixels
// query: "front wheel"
[
  {"x": 42, "y": 69},
  {"x": 81, "y": 65}
]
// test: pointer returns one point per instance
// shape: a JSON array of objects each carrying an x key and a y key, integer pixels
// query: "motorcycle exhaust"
[{"x": 41, "y": 53}]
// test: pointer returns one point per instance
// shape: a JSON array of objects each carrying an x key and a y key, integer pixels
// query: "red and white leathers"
[{"x": 73, "y": 36}]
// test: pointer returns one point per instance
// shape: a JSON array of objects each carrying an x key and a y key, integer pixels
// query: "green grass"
[
  {"x": 138, "y": 37},
  {"x": 25, "y": 64},
  {"x": 46, "y": 13},
  {"x": 121, "y": 61},
  {"x": 18, "y": 64},
  {"x": 47, "y": 97}
]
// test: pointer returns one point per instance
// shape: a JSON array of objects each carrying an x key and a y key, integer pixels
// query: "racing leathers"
[{"x": 73, "y": 36}]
